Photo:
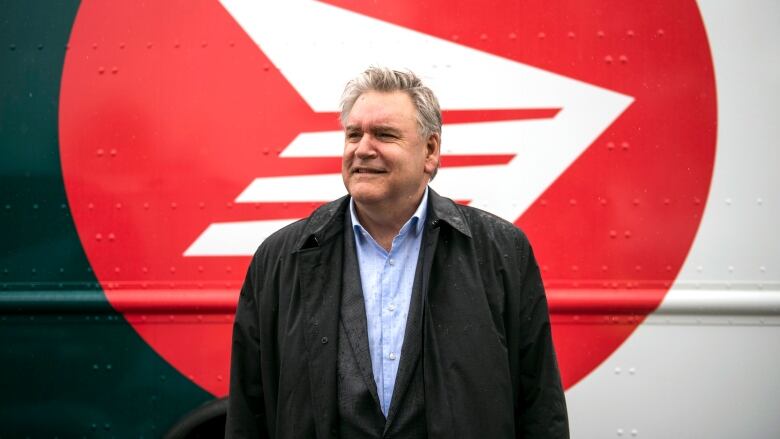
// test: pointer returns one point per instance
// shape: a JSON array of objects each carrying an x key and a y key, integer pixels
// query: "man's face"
[{"x": 386, "y": 161}]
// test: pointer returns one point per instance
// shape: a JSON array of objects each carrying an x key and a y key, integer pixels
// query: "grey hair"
[{"x": 383, "y": 79}]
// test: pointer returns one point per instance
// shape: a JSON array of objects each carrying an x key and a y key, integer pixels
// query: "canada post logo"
[{"x": 189, "y": 134}]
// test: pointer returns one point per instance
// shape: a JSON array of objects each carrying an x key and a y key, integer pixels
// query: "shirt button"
[
  {"x": 391, "y": 307},
  {"x": 391, "y": 356},
  {"x": 391, "y": 262}
]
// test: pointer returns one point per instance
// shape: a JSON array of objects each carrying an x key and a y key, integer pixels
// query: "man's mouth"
[{"x": 363, "y": 170}]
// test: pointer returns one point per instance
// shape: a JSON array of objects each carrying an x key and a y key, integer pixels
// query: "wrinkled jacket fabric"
[{"x": 489, "y": 367}]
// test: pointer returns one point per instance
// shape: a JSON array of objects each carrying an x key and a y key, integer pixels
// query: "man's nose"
[{"x": 365, "y": 147}]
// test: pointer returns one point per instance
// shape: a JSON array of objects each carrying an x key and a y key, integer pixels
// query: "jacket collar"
[{"x": 328, "y": 220}]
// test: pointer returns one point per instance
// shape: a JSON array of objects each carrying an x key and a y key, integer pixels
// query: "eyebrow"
[{"x": 374, "y": 129}]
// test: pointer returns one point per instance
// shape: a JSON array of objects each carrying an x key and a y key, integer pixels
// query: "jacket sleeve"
[
  {"x": 246, "y": 414},
  {"x": 540, "y": 410}
]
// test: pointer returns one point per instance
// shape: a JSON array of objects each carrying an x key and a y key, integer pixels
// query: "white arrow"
[{"x": 463, "y": 78}]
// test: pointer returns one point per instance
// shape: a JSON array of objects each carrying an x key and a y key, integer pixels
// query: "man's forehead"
[{"x": 382, "y": 108}]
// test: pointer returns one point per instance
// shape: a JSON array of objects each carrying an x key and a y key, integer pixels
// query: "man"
[{"x": 394, "y": 312}]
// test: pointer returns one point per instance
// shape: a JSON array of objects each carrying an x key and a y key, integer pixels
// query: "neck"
[{"x": 385, "y": 222}]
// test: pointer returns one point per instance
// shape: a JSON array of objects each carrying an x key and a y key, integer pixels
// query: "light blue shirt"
[{"x": 387, "y": 279}]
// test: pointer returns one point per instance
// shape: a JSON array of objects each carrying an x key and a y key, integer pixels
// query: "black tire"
[{"x": 205, "y": 422}]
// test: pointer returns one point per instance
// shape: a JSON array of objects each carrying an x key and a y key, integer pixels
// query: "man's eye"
[
  {"x": 386, "y": 136},
  {"x": 353, "y": 136}
]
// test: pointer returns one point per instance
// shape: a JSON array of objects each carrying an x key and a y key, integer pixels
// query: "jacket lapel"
[{"x": 353, "y": 311}]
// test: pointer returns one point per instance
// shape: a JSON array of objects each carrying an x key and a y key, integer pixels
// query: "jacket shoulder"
[{"x": 485, "y": 225}]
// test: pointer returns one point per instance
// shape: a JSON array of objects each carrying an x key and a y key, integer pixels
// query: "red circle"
[{"x": 168, "y": 111}]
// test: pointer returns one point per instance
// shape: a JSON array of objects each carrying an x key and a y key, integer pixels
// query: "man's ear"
[{"x": 432, "y": 152}]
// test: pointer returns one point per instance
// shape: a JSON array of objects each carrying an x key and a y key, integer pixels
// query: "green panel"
[{"x": 69, "y": 365}]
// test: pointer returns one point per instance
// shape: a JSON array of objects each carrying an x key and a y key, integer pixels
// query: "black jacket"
[{"x": 489, "y": 366}]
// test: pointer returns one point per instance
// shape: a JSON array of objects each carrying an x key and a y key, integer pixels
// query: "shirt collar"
[{"x": 417, "y": 218}]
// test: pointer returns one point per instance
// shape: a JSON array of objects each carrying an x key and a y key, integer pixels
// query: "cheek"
[{"x": 346, "y": 157}]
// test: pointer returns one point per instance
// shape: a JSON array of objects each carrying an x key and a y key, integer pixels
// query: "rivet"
[
  {"x": 603, "y": 201},
  {"x": 545, "y": 268},
  {"x": 201, "y": 205},
  {"x": 200, "y": 269},
  {"x": 623, "y": 59},
  {"x": 543, "y": 202},
  {"x": 99, "y": 152},
  {"x": 630, "y": 33},
  {"x": 40, "y": 46},
  {"x": 35, "y": 206},
  {"x": 604, "y": 268},
  {"x": 620, "y": 432},
  {"x": 114, "y": 70},
  {"x": 512, "y": 36},
  {"x": 634, "y": 432},
  {"x": 324, "y": 340},
  {"x": 571, "y": 35},
  {"x": 98, "y": 237},
  {"x": 573, "y": 202},
  {"x": 94, "y": 46},
  {"x": 90, "y": 206},
  {"x": 696, "y": 201},
  {"x": 632, "y": 371},
  {"x": 627, "y": 234},
  {"x": 617, "y": 371},
  {"x": 228, "y": 269},
  {"x": 625, "y": 145},
  {"x": 608, "y": 59},
  {"x": 173, "y": 205},
  {"x": 728, "y": 201},
  {"x": 759, "y": 201},
  {"x": 229, "y": 205},
  {"x": 219, "y": 377},
  {"x": 731, "y": 268},
  {"x": 636, "y": 201},
  {"x": 660, "y": 32},
  {"x": 667, "y": 201},
  {"x": 483, "y": 37},
  {"x": 144, "y": 269},
  {"x": 111, "y": 237},
  {"x": 612, "y": 234},
  {"x": 121, "y": 46},
  {"x": 231, "y": 43},
  {"x": 176, "y": 45},
  {"x": 455, "y": 38},
  {"x": 12, "y": 47},
  {"x": 600, "y": 34},
  {"x": 668, "y": 268},
  {"x": 146, "y": 205},
  {"x": 101, "y": 70},
  {"x": 172, "y": 269},
  {"x": 575, "y": 268},
  {"x": 541, "y": 35},
  {"x": 638, "y": 268},
  {"x": 204, "y": 44},
  {"x": 118, "y": 206},
  {"x": 149, "y": 45},
  {"x": 112, "y": 152},
  {"x": 762, "y": 269}
]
